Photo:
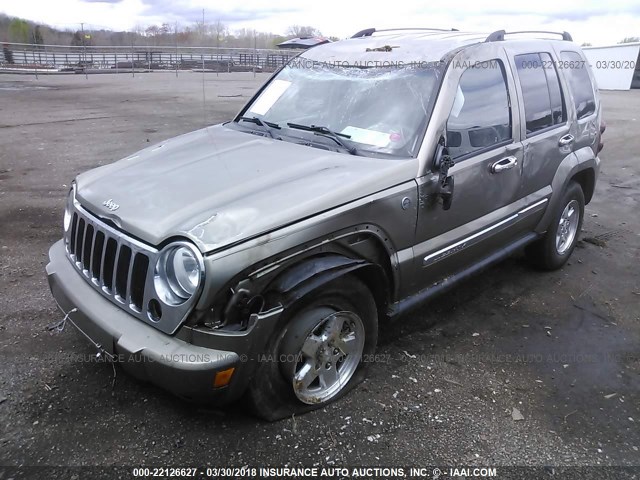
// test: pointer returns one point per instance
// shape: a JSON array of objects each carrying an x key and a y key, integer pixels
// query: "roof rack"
[
  {"x": 370, "y": 31},
  {"x": 498, "y": 35}
]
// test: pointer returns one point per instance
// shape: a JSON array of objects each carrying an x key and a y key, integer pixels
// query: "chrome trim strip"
[
  {"x": 533, "y": 205},
  {"x": 462, "y": 244}
]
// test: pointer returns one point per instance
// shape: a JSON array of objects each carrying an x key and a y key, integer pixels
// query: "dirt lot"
[{"x": 563, "y": 348}]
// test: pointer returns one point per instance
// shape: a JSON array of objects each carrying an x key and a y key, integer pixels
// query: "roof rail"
[
  {"x": 370, "y": 31},
  {"x": 367, "y": 32},
  {"x": 498, "y": 35}
]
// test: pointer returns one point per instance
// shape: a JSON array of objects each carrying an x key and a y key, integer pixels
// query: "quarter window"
[
  {"x": 543, "y": 103},
  {"x": 580, "y": 82},
  {"x": 480, "y": 117}
]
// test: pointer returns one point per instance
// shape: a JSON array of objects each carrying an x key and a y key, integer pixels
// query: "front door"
[{"x": 483, "y": 138}]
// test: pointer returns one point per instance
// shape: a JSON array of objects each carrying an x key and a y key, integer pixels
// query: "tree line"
[{"x": 210, "y": 34}]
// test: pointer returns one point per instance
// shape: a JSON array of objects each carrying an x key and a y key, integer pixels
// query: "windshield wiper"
[
  {"x": 267, "y": 126},
  {"x": 324, "y": 131}
]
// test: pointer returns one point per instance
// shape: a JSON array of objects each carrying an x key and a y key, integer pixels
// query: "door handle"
[
  {"x": 566, "y": 140},
  {"x": 506, "y": 163}
]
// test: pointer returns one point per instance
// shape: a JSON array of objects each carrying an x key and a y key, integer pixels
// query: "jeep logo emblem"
[{"x": 111, "y": 205}]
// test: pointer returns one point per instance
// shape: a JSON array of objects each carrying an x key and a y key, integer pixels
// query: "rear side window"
[
  {"x": 480, "y": 117},
  {"x": 542, "y": 96},
  {"x": 558, "y": 111},
  {"x": 580, "y": 82}
]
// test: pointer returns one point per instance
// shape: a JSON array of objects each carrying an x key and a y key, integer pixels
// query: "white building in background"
[{"x": 616, "y": 67}]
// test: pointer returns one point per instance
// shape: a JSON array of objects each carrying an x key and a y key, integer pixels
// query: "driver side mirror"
[{"x": 442, "y": 162}]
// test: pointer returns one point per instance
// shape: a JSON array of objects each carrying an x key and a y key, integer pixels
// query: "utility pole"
[
  {"x": 176, "y": 35},
  {"x": 204, "y": 107},
  {"x": 84, "y": 53},
  {"x": 219, "y": 59},
  {"x": 34, "y": 55}
]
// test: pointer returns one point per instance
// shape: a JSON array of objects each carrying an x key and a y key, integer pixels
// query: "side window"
[
  {"x": 480, "y": 117},
  {"x": 558, "y": 111},
  {"x": 580, "y": 83},
  {"x": 543, "y": 103}
]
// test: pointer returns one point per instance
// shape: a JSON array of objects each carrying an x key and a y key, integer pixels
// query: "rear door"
[{"x": 545, "y": 130}]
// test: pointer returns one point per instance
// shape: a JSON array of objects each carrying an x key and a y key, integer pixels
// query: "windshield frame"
[{"x": 307, "y": 137}]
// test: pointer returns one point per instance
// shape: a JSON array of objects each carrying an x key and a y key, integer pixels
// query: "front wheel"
[
  {"x": 324, "y": 354},
  {"x": 316, "y": 356},
  {"x": 554, "y": 249}
]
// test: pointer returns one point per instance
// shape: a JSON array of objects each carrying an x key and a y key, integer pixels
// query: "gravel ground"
[{"x": 516, "y": 367}]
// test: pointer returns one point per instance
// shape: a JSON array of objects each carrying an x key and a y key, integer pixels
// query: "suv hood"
[{"x": 218, "y": 186}]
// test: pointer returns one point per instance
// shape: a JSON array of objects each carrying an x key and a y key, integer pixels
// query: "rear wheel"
[
  {"x": 554, "y": 249},
  {"x": 316, "y": 355}
]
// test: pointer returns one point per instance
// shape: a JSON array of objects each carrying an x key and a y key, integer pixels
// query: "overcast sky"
[{"x": 599, "y": 22}]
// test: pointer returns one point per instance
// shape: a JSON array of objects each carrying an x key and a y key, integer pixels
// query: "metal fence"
[{"x": 110, "y": 58}]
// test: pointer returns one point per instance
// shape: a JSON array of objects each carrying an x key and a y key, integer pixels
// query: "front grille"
[
  {"x": 112, "y": 262},
  {"x": 121, "y": 269}
]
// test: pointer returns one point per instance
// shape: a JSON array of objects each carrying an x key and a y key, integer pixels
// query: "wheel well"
[
  {"x": 372, "y": 276},
  {"x": 361, "y": 253},
  {"x": 587, "y": 181},
  {"x": 378, "y": 284},
  {"x": 377, "y": 275},
  {"x": 366, "y": 258}
]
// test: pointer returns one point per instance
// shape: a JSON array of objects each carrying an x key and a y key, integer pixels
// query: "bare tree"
[
  {"x": 202, "y": 30},
  {"x": 630, "y": 40},
  {"x": 303, "y": 31},
  {"x": 152, "y": 31},
  {"x": 220, "y": 31}
]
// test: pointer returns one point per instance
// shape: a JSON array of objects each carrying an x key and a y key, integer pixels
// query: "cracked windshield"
[{"x": 381, "y": 110}]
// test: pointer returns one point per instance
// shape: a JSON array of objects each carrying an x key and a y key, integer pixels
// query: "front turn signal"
[{"x": 223, "y": 377}]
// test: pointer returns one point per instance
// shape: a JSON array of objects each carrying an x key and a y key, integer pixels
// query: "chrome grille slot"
[
  {"x": 120, "y": 268},
  {"x": 109, "y": 262},
  {"x": 74, "y": 228},
  {"x": 86, "y": 249},
  {"x": 79, "y": 241},
  {"x": 96, "y": 257},
  {"x": 138, "y": 276},
  {"x": 122, "y": 272}
]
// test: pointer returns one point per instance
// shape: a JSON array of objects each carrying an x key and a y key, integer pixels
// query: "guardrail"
[{"x": 139, "y": 57}]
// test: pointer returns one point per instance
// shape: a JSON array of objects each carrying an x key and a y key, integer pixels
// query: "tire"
[
  {"x": 300, "y": 352},
  {"x": 553, "y": 250}
]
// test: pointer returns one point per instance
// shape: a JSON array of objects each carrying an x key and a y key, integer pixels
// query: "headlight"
[
  {"x": 178, "y": 273},
  {"x": 68, "y": 208}
]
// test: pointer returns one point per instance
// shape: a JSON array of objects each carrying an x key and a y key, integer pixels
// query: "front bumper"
[{"x": 171, "y": 363}]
